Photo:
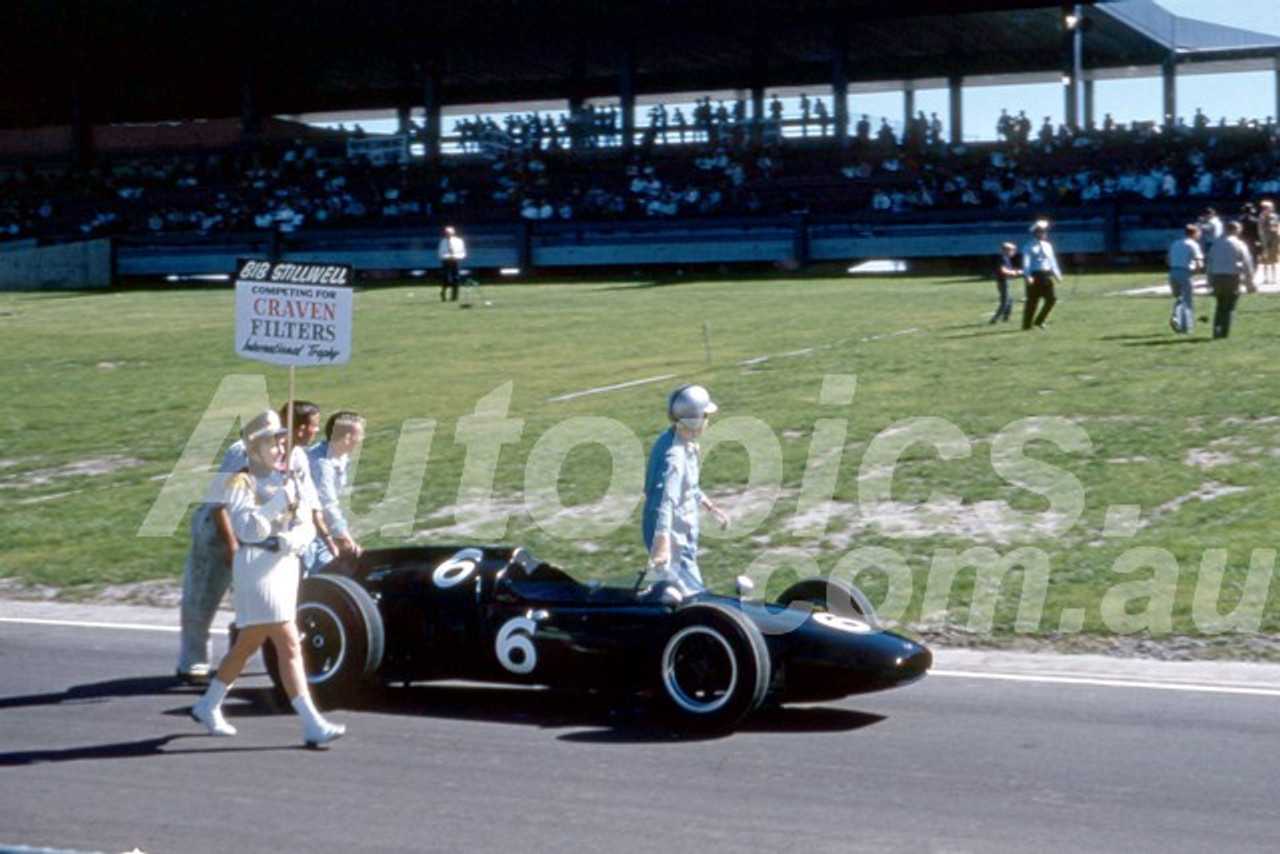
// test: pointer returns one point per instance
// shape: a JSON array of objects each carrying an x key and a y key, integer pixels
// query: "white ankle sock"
[{"x": 216, "y": 692}]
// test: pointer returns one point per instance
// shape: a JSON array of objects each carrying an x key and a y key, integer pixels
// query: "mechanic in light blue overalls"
[{"x": 672, "y": 496}]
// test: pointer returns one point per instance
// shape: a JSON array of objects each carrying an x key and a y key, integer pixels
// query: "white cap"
[
  {"x": 1039, "y": 225},
  {"x": 263, "y": 425},
  {"x": 690, "y": 401}
]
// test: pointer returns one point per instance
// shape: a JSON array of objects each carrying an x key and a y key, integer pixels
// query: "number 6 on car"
[{"x": 515, "y": 645}]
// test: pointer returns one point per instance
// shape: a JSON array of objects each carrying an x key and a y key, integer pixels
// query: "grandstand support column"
[
  {"x": 1169, "y": 80},
  {"x": 249, "y": 34},
  {"x": 800, "y": 238},
  {"x": 955, "y": 92},
  {"x": 80, "y": 147},
  {"x": 757, "y": 113},
  {"x": 1072, "y": 64},
  {"x": 759, "y": 79},
  {"x": 576, "y": 87},
  {"x": 250, "y": 118},
  {"x": 81, "y": 153},
  {"x": 1276, "y": 89},
  {"x": 432, "y": 132},
  {"x": 1088, "y": 104},
  {"x": 627, "y": 96},
  {"x": 840, "y": 84}
]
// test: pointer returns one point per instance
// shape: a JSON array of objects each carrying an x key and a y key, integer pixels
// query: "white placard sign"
[{"x": 294, "y": 312}]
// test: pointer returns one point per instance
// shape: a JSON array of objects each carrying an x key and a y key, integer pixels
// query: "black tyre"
[
  {"x": 833, "y": 596},
  {"x": 342, "y": 640},
  {"x": 713, "y": 667}
]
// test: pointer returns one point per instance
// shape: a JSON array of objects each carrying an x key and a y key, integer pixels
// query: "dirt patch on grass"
[{"x": 91, "y": 467}]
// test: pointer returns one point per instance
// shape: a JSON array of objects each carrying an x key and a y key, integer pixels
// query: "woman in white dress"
[{"x": 274, "y": 527}]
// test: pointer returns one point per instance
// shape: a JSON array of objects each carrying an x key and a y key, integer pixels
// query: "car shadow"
[{"x": 594, "y": 718}]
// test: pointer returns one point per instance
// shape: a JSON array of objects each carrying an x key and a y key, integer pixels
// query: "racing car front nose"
[{"x": 913, "y": 663}]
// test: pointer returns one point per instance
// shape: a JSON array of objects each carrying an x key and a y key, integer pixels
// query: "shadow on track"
[
  {"x": 137, "y": 686},
  {"x": 594, "y": 718},
  {"x": 129, "y": 686},
  {"x": 143, "y": 749},
  {"x": 245, "y": 702}
]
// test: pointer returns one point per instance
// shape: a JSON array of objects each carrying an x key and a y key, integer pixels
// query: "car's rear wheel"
[
  {"x": 342, "y": 640},
  {"x": 832, "y": 595},
  {"x": 714, "y": 667}
]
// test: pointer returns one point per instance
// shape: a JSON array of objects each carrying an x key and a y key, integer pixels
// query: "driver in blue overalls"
[{"x": 673, "y": 499}]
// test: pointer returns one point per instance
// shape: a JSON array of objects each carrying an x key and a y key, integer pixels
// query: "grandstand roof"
[{"x": 149, "y": 60}]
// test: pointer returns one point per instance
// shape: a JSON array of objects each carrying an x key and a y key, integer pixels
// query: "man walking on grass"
[
  {"x": 1228, "y": 261},
  {"x": 1040, "y": 267}
]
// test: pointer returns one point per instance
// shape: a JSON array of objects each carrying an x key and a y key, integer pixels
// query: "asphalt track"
[{"x": 991, "y": 753}]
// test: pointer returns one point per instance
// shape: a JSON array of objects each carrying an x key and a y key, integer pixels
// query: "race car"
[{"x": 498, "y": 614}]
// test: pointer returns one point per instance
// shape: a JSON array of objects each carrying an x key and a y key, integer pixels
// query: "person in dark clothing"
[{"x": 1006, "y": 269}]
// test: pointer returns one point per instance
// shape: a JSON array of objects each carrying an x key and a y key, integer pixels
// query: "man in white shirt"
[
  {"x": 1185, "y": 258},
  {"x": 1228, "y": 260},
  {"x": 452, "y": 251},
  {"x": 1211, "y": 229},
  {"x": 1040, "y": 267}
]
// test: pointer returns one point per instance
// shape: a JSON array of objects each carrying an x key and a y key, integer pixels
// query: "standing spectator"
[
  {"x": 271, "y": 519},
  {"x": 1006, "y": 269},
  {"x": 1248, "y": 219},
  {"x": 1041, "y": 271},
  {"x": 864, "y": 129},
  {"x": 452, "y": 251},
  {"x": 305, "y": 418},
  {"x": 1185, "y": 258},
  {"x": 206, "y": 577},
  {"x": 1228, "y": 260},
  {"x": 673, "y": 499},
  {"x": 1210, "y": 229},
  {"x": 344, "y": 433},
  {"x": 1269, "y": 241},
  {"x": 885, "y": 137}
]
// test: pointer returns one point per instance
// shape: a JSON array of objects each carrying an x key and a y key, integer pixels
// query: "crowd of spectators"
[
  {"x": 713, "y": 161},
  {"x": 1059, "y": 167}
]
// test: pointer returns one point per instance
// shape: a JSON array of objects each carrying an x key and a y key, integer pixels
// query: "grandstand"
[{"x": 601, "y": 183}]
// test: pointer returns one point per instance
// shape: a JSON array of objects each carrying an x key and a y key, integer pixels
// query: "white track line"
[
  {"x": 604, "y": 388},
  {"x": 1099, "y": 682},
  {"x": 91, "y": 624}
]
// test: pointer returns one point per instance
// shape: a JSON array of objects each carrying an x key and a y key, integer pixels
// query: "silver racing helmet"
[{"x": 690, "y": 403}]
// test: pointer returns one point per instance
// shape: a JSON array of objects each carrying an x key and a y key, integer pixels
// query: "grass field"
[{"x": 1101, "y": 479}]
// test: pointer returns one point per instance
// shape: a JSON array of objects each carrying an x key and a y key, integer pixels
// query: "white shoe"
[
  {"x": 321, "y": 732},
  {"x": 211, "y": 717},
  {"x": 197, "y": 675},
  {"x": 315, "y": 729}
]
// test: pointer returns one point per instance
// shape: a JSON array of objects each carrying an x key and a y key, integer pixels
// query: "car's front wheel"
[
  {"x": 714, "y": 667},
  {"x": 832, "y": 595}
]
